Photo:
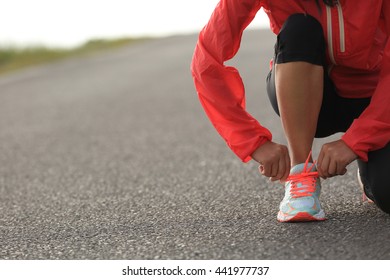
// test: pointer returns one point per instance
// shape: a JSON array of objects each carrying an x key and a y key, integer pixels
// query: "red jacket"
[{"x": 358, "y": 54}]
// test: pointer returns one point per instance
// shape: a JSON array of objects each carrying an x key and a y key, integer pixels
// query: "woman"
[{"x": 330, "y": 73}]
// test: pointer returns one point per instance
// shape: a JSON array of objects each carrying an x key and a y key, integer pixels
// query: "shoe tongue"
[{"x": 299, "y": 168}]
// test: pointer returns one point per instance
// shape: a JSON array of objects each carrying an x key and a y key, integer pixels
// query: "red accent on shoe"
[{"x": 303, "y": 217}]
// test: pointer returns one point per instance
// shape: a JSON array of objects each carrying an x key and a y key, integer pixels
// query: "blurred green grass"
[{"x": 12, "y": 58}]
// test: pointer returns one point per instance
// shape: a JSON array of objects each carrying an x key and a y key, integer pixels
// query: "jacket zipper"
[
  {"x": 341, "y": 26},
  {"x": 330, "y": 30}
]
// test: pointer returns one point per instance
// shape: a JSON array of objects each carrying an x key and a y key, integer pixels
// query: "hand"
[
  {"x": 334, "y": 158},
  {"x": 274, "y": 161}
]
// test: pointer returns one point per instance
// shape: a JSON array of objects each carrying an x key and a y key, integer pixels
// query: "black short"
[{"x": 308, "y": 45}]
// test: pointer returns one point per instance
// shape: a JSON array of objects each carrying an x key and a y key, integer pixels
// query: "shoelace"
[{"x": 306, "y": 178}]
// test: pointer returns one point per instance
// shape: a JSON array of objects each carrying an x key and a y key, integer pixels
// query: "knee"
[
  {"x": 383, "y": 204},
  {"x": 302, "y": 37},
  {"x": 376, "y": 185},
  {"x": 376, "y": 189},
  {"x": 382, "y": 198},
  {"x": 376, "y": 175}
]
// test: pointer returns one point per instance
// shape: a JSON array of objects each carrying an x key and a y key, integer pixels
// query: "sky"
[{"x": 66, "y": 23}]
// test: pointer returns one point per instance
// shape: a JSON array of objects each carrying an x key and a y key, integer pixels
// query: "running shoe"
[
  {"x": 364, "y": 196},
  {"x": 302, "y": 190}
]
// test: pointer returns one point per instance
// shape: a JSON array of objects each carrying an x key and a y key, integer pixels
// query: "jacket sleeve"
[
  {"x": 220, "y": 88},
  {"x": 371, "y": 131}
]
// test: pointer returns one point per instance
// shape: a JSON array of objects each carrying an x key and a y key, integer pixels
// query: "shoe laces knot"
[{"x": 304, "y": 183}]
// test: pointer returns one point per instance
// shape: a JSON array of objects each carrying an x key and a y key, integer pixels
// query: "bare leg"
[{"x": 299, "y": 89}]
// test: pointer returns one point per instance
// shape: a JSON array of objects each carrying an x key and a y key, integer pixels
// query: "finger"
[
  {"x": 284, "y": 168},
  {"x": 274, "y": 171},
  {"x": 288, "y": 167},
  {"x": 320, "y": 159},
  {"x": 261, "y": 169},
  {"x": 324, "y": 167},
  {"x": 266, "y": 169},
  {"x": 332, "y": 168},
  {"x": 341, "y": 169},
  {"x": 278, "y": 170}
]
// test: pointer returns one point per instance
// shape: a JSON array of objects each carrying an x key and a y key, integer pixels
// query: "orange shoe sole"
[{"x": 301, "y": 217}]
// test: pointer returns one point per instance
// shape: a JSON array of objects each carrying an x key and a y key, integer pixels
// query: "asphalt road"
[{"x": 110, "y": 156}]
